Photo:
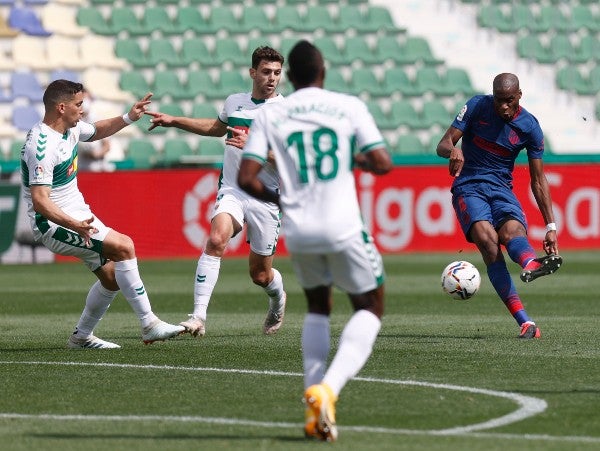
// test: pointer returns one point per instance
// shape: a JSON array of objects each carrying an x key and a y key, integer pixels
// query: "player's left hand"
[
  {"x": 238, "y": 137},
  {"x": 139, "y": 108},
  {"x": 550, "y": 243}
]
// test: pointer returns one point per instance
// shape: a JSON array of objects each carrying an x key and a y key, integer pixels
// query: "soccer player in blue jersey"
[{"x": 494, "y": 129}]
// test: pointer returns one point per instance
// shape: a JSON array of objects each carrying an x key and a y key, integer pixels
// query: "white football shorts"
[
  {"x": 262, "y": 219},
  {"x": 66, "y": 242},
  {"x": 355, "y": 269}
]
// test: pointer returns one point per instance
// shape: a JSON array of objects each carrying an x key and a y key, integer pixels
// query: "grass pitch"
[{"x": 444, "y": 374}]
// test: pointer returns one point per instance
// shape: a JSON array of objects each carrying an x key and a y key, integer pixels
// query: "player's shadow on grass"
[{"x": 202, "y": 437}]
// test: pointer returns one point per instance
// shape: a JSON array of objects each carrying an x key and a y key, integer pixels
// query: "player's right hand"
[
  {"x": 159, "y": 119},
  {"x": 457, "y": 160},
  {"x": 85, "y": 230}
]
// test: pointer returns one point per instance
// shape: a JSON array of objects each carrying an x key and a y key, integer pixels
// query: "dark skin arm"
[
  {"x": 376, "y": 161},
  {"x": 249, "y": 182},
  {"x": 541, "y": 193},
  {"x": 447, "y": 149}
]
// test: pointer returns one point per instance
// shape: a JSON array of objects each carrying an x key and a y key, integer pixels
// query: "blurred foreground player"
[{"x": 317, "y": 136}]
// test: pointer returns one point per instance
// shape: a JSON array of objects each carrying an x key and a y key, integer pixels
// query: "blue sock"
[{"x": 520, "y": 251}]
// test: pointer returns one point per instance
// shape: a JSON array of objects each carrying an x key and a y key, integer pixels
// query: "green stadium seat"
[
  {"x": 435, "y": 113},
  {"x": 190, "y": 18},
  {"x": 357, "y": 48},
  {"x": 330, "y": 50},
  {"x": 134, "y": 82},
  {"x": 210, "y": 147},
  {"x": 417, "y": 49},
  {"x": 253, "y": 43},
  {"x": 561, "y": 47},
  {"x": 388, "y": 48},
  {"x": 583, "y": 17},
  {"x": 253, "y": 18},
  {"x": 427, "y": 79},
  {"x": 569, "y": 78},
  {"x": 317, "y": 17},
  {"x": 396, "y": 80},
  {"x": 130, "y": 49},
  {"x": 492, "y": 16},
  {"x": 350, "y": 17},
  {"x": 363, "y": 80},
  {"x": 402, "y": 112},
  {"x": 194, "y": 50},
  {"x": 287, "y": 17},
  {"x": 378, "y": 19},
  {"x": 335, "y": 81},
  {"x": 521, "y": 17},
  {"x": 530, "y": 47},
  {"x": 94, "y": 20},
  {"x": 594, "y": 78},
  {"x": 157, "y": 18},
  {"x": 382, "y": 119},
  {"x": 204, "y": 110},
  {"x": 123, "y": 19},
  {"x": 200, "y": 83},
  {"x": 162, "y": 51},
  {"x": 173, "y": 150},
  {"x": 457, "y": 81},
  {"x": 229, "y": 50},
  {"x": 223, "y": 18},
  {"x": 142, "y": 152},
  {"x": 230, "y": 82},
  {"x": 408, "y": 144},
  {"x": 286, "y": 45},
  {"x": 585, "y": 50},
  {"x": 545, "y": 20},
  {"x": 167, "y": 83}
]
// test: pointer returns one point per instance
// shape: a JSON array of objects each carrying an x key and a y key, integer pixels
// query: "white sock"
[
  {"x": 356, "y": 345},
  {"x": 207, "y": 273},
  {"x": 275, "y": 290},
  {"x": 315, "y": 347},
  {"x": 132, "y": 287},
  {"x": 97, "y": 302}
]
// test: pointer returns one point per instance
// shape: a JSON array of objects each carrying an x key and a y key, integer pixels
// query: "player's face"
[
  {"x": 73, "y": 110},
  {"x": 265, "y": 78},
  {"x": 506, "y": 103}
]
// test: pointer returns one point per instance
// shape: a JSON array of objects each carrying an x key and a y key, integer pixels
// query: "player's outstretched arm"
[
  {"x": 108, "y": 127},
  {"x": 199, "y": 126}
]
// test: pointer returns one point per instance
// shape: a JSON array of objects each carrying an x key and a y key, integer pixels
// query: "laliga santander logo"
[{"x": 198, "y": 206}]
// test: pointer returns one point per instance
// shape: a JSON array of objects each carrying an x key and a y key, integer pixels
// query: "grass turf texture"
[{"x": 217, "y": 392}]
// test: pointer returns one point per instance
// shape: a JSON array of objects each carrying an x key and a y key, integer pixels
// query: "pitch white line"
[{"x": 528, "y": 406}]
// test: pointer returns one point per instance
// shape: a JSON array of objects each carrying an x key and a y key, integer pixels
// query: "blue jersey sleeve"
[{"x": 463, "y": 118}]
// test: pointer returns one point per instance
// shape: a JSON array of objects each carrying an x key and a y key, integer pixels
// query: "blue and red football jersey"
[{"x": 490, "y": 145}]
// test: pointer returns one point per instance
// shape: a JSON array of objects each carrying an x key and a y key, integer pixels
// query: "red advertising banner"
[{"x": 167, "y": 213}]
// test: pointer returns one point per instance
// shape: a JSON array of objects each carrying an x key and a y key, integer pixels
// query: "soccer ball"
[{"x": 461, "y": 280}]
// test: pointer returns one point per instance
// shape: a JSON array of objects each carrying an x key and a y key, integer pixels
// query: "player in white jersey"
[
  {"x": 233, "y": 206},
  {"x": 65, "y": 224},
  {"x": 317, "y": 136}
]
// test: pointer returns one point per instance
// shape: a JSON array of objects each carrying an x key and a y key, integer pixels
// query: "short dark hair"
[
  {"x": 306, "y": 63},
  {"x": 59, "y": 91},
  {"x": 266, "y": 53}
]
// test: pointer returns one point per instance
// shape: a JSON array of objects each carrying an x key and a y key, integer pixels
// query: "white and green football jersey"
[
  {"x": 314, "y": 134},
  {"x": 50, "y": 158},
  {"x": 239, "y": 111}
]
